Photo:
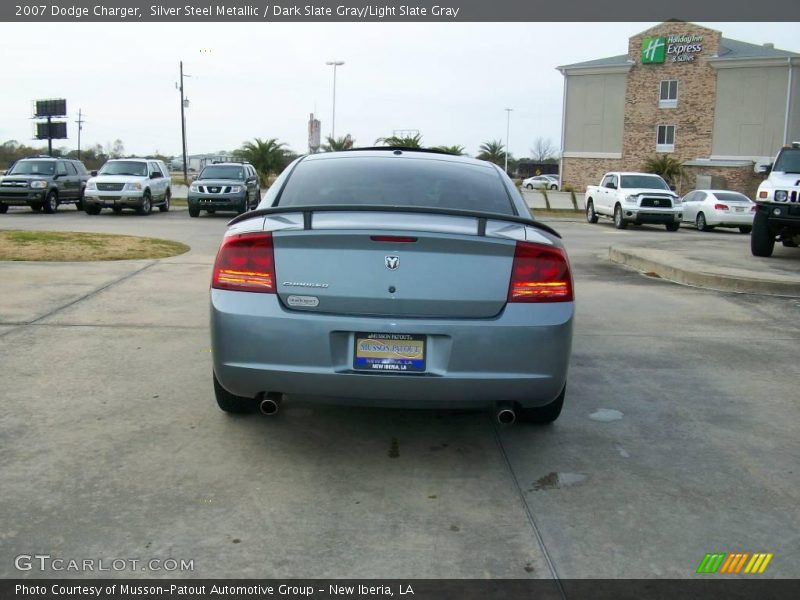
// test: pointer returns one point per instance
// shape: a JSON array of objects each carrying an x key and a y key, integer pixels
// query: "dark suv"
[
  {"x": 224, "y": 186},
  {"x": 43, "y": 182}
]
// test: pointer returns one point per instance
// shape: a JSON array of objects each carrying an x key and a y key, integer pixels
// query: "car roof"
[
  {"x": 227, "y": 164},
  {"x": 383, "y": 152},
  {"x": 721, "y": 192}
]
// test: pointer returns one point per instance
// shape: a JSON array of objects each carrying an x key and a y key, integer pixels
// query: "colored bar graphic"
[
  {"x": 741, "y": 562},
  {"x": 711, "y": 563}
]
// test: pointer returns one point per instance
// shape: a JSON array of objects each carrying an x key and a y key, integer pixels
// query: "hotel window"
[
  {"x": 668, "y": 94},
  {"x": 665, "y": 138}
]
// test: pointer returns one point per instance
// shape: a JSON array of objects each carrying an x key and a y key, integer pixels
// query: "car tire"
[
  {"x": 36, "y": 207},
  {"x": 79, "y": 203},
  {"x": 194, "y": 212},
  {"x": 619, "y": 220},
  {"x": 244, "y": 206},
  {"x": 591, "y": 216},
  {"x": 231, "y": 403},
  {"x": 745, "y": 229},
  {"x": 51, "y": 202},
  {"x": 554, "y": 187},
  {"x": 146, "y": 206},
  {"x": 167, "y": 197},
  {"x": 91, "y": 209},
  {"x": 701, "y": 223},
  {"x": 542, "y": 415},
  {"x": 762, "y": 240},
  {"x": 3, "y": 209},
  {"x": 258, "y": 198},
  {"x": 673, "y": 226}
]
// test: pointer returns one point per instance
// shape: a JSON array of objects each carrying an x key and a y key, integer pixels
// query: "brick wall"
[{"x": 737, "y": 179}]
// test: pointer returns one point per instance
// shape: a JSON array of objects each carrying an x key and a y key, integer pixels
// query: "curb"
[{"x": 703, "y": 279}]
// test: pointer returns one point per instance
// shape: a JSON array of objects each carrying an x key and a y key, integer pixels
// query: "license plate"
[
  {"x": 389, "y": 352},
  {"x": 739, "y": 209}
]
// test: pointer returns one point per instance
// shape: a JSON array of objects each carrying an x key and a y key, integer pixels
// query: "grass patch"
[
  {"x": 566, "y": 213},
  {"x": 69, "y": 246}
]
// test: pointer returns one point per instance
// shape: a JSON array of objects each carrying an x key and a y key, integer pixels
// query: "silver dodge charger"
[{"x": 392, "y": 277}]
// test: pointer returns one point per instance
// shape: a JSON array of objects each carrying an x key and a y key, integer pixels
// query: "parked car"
[
  {"x": 138, "y": 183},
  {"x": 224, "y": 186},
  {"x": 397, "y": 278},
  {"x": 634, "y": 198},
  {"x": 541, "y": 182},
  {"x": 708, "y": 209},
  {"x": 43, "y": 182},
  {"x": 778, "y": 213}
]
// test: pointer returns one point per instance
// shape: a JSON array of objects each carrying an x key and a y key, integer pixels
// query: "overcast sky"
[{"x": 449, "y": 81}]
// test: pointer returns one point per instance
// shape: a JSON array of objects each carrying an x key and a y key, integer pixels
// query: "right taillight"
[
  {"x": 245, "y": 263},
  {"x": 540, "y": 274}
]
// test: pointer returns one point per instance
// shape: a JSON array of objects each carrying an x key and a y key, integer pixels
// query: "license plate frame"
[{"x": 410, "y": 357}]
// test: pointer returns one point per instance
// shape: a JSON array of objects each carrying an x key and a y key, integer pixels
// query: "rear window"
[
  {"x": 393, "y": 181},
  {"x": 731, "y": 197}
]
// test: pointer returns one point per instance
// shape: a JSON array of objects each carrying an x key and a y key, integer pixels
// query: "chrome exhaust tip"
[
  {"x": 506, "y": 416},
  {"x": 270, "y": 404}
]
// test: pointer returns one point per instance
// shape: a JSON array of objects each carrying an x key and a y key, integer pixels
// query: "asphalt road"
[{"x": 678, "y": 437}]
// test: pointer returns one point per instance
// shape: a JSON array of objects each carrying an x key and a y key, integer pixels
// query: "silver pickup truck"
[{"x": 634, "y": 198}]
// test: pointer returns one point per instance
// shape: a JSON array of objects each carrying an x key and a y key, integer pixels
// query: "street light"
[
  {"x": 508, "y": 129},
  {"x": 334, "y": 64}
]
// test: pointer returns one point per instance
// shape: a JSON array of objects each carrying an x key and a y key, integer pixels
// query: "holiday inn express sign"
[{"x": 671, "y": 48}]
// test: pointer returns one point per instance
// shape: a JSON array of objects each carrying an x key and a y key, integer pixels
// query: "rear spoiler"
[{"x": 309, "y": 210}]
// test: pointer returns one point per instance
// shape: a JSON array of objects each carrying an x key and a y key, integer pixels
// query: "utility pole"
[
  {"x": 80, "y": 123},
  {"x": 183, "y": 129},
  {"x": 508, "y": 129}
]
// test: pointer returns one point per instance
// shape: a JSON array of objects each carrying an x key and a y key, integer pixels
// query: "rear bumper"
[
  {"x": 522, "y": 355},
  {"x": 731, "y": 219}
]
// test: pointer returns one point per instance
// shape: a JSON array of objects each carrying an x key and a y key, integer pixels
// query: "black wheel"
[
  {"x": 745, "y": 229},
  {"x": 245, "y": 205},
  {"x": 51, "y": 202},
  {"x": 4, "y": 209},
  {"x": 194, "y": 212},
  {"x": 79, "y": 203},
  {"x": 542, "y": 415},
  {"x": 700, "y": 221},
  {"x": 92, "y": 209},
  {"x": 231, "y": 403},
  {"x": 36, "y": 207},
  {"x": 529, "y": 186},
  {"x": 591, "y": 216},
  {"x": 762, "y": 240},
  {"x": 257, "y": 198},
  {"x": 165, "y": 207},
  {"x": 673, "y": 226},
  {"x": 117, "y": 209},
  {"x": 554, "y": 187},
  {"x": 619, "y": 221},
  {"x": 147, "y": 205}
]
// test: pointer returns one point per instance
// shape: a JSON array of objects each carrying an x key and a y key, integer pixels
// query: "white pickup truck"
[{"x": 634, "y": 198}]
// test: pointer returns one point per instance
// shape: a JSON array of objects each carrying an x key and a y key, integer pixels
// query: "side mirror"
[
  {"x": 672, "y": 186},
  {"x": 765, "y": 169},
  {"x": 93, "y": 173}
]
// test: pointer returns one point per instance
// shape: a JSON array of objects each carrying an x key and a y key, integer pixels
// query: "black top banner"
[{"x": 407, "y": 11}]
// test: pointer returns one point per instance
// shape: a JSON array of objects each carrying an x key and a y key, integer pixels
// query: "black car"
[
  {"x": 224, "y": 186},
  {"x": 43, "y": 182}
]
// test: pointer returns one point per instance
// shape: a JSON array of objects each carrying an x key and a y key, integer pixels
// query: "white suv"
[{"x": 138, "y": 183}]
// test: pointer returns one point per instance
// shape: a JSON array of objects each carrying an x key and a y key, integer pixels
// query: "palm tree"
[
  {"x": 455, "y": 150},
  {"x": 665, "y": 165},
  {"x": 406, "y": 141},
  {"x": 494, "y": 151},
  {"x": 338, "y": 144},
  {"x": 267, "y": 156}
]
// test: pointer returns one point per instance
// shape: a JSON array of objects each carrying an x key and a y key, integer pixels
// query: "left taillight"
[
  {"x": 540, "y": 274},
  {"x": 245, "y": 263}
]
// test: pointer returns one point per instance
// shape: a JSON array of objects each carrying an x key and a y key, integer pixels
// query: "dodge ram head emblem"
[{"x": 392, "y": 262}]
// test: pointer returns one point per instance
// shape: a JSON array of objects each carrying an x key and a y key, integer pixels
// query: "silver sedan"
[{"x": 389, "y": 277}]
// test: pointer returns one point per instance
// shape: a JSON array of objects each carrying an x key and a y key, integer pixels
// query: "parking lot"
[{"x": 678, "y": 436}]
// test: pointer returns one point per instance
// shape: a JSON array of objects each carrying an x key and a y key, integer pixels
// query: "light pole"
[
  {"x": 508, "y": 129},
  {"x": 334, "y": 64}
]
